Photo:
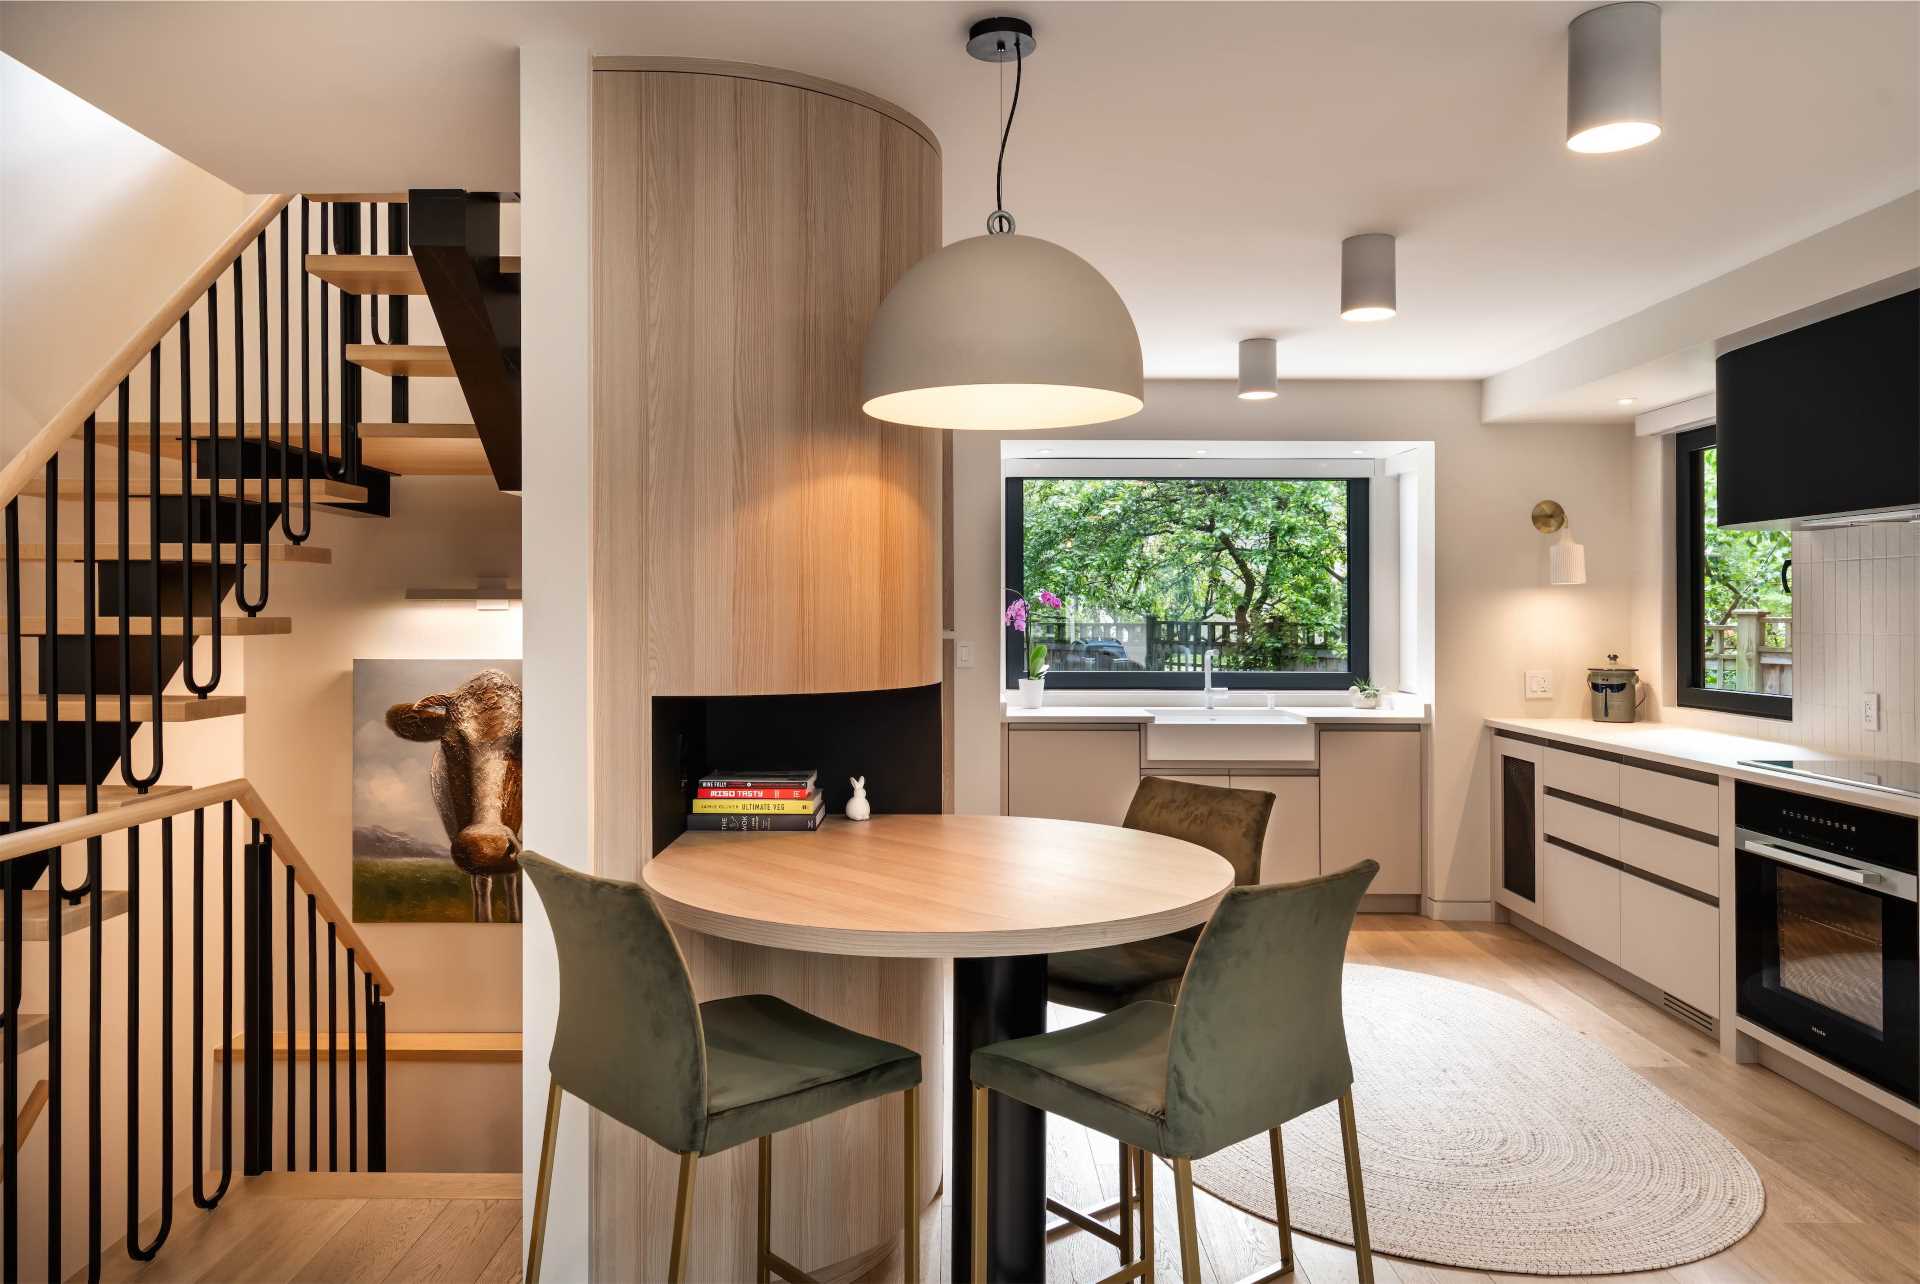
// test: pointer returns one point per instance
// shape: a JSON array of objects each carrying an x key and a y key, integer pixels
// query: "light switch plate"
[
  {"x": 963, "y": 655},
  {"x": 1539, "y": 684},
  {"x": 1870, "y": 711}
]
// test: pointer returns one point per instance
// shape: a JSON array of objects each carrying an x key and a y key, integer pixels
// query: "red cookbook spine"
[{"x": 711, "y": 792}]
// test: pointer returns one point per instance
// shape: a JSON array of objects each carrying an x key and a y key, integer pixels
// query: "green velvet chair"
[
  {"x": 1231, "y": 823},
  {"x": 1254, "y": 1038},
  {"x": 697, "y": 1078}
]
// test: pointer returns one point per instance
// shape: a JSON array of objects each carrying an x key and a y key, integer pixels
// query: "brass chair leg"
[
  {"x": 1189, "y": 1233},
  {"x": 544, "y": 1187},
  {"x": 910, "y": 1183},
  {"x": 682, "y": 1220},
  {"x": 1281, "y": 1214},
  {"x": 979, "y": 1185},
  {"x": 1356, "y": 1192},
  {"x": 763, "y": 1249},
  {"x": 1147, "y": 1249},
  {"x": 1126, "y": 1204}
]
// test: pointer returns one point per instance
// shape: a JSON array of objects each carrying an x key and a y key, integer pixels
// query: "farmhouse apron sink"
[{"x": 1228, "y": 735}]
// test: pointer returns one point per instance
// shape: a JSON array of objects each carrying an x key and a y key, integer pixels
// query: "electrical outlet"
[
  {"x": 1539, "y": 684},
  {"x": 963, "y": 655},
  {"x": 1870, "y": 711}
]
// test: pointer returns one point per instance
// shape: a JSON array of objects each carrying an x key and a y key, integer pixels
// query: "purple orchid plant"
[{"x": 1015, "y": 618}]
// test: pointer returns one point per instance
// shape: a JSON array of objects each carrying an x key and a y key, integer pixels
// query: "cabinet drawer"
[
  {"x": 1072, "y": 773},
  {"x": 1292, "y": 850},
  {"x": 1582, "y": 899},
  {"x": 1678, "y": 801},
  {"x": 1671, "y": 941},
  {"x": 1676, "y": 859},
  {"x": 1577, "y": 773},
  {"x": 1597, "y": 831}
]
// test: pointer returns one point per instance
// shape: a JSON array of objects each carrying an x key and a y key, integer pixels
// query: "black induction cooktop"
[{"x": 1887, "y": 774}]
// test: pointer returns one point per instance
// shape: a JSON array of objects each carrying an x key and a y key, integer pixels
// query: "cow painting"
[{"x": 474, "y": 779}]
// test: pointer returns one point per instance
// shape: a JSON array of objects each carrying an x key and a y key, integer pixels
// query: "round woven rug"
[{"x": 1495, "y": 1138}]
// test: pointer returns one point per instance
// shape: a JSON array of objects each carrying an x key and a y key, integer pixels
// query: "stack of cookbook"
[{"x": 743, "y": 800}]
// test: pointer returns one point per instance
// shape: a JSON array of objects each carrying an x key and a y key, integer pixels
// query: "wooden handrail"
[
  {"x": 24, "y": 467},
  {"x": 101, "y": 823}
]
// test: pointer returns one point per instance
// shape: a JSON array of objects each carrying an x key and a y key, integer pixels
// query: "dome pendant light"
[
  {"x": 1367, "y": 278},
  {"x": 1613, "y": 77},
  {"x": 1259, "y": 367},
  {"x": 1002, "y": 332}
]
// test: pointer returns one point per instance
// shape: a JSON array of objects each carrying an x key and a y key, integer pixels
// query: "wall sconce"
[
  {"x": 489, "y": 594},
  {"x": 1566, "y": 560}
]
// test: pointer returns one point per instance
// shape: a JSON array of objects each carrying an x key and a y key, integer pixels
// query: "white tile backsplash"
[{"x": 1856, "y": 628}]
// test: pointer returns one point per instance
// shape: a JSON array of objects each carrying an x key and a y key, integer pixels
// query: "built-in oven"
[{"x": 1824, "y": 935}]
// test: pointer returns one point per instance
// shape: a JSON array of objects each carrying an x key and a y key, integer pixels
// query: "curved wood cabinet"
[
  {"x": 755, "y": 534},
  {"x": 747, "y": 225}
]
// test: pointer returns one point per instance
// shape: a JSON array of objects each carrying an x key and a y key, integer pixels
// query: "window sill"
[{"x": 1746, "y": 704}]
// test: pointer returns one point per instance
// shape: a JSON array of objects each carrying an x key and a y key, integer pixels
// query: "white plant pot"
[
  {"x": 1031, "y": 692},
  {"x": 1364, "y": 701}
]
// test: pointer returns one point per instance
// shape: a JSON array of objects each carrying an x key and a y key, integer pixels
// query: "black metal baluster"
[
  {"x": 266, "y": 512},
  {"x": 200, "y": 1197},
  {"x": 96, "y": 920},
  {"x": 353, "y": 1075},
  {"x": 293, "y": 1084},
  {"x": 135, "y": 1249},
  {"x": 187, "y": 669},
  {"x": 257, "y": 1089},
  {"x": 333, "y": 1069},
  {"x": 56, "y": 1058},
  {"x": 50, "y": 644},
  {"x": 11, "y": 876},
  {"x": 16, "y": 693},
  {"x": 313, "y": 1040},
  {"x": 376, "y": 1078},
  {"x": 326, "y": 352},
  {"x": 123, "y": 567},
  {"x": 156, "y": 674},
  {"x": 306, "y": 402},
  {"x": 346, "y": 239},
  {"x": 397, "y": 309}
]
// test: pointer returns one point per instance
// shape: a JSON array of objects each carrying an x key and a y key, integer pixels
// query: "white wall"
[
  {"x": 1495, "y": 615},
  {"x": 1856, "y": 626},
  {"x": 556, "y": 120}
]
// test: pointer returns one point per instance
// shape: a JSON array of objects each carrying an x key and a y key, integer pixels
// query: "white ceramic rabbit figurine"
[{"x": 857, "y": 806}]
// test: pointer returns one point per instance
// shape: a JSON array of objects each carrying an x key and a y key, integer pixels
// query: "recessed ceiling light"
[
  {"x": 1258, "y": 366},
  {"x": 1367, "y": 278},
  {"x": 1613, "y": 77},
  {"x": 1624, "y": 401}
]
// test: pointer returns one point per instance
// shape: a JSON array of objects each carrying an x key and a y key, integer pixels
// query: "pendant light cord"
[{"x": 1000, "y": 165}]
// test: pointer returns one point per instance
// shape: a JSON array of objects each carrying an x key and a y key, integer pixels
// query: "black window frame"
[
  {"x": 1690, "y": 540},
  {"x": 1359, "y": 588}
]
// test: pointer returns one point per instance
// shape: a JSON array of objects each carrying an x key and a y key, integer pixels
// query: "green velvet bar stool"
[
  {"x": 1232, "y": 824},
  {"x": 1254, "y": 1038},
  {"x": 697, "y": 1078}
]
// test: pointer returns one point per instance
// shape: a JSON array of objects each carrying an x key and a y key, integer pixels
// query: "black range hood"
[{"x": 1820, "y": 426}]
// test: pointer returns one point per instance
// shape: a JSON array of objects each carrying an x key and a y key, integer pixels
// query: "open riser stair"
[{"x": 145, "y": 529}]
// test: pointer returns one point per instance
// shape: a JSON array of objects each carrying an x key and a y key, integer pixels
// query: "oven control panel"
[{"x": 1846, "y": 830}]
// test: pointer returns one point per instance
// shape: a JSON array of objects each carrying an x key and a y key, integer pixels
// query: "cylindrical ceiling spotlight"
[
  {"x": 1259, "y": 377},
  {"x": 1367, "y": 277},
  {"x": 1613, "y": 77}
]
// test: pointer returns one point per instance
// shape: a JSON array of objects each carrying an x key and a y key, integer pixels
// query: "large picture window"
[
  {"x": 1269, "y": 573},
  {"x": 1735, "y": 607}
]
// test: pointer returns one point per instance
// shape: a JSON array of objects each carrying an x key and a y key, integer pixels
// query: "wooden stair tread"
[
  {"x": 171, "y": 626},
  {"x": 425, "y": 450},
  {"x": 33, "y": 1029},
  {"x": 404, "y": 1045},
  {"x": 416, "y": 360},
  {"x": 173, "y": 708},
  {"x": 139, "y": 437},
  {"x": 380, "y": 273},
  {"x": 73, "y": 918},
  {"x": 106, "y": 550},
  {"x": 107, "y": 489},
  {"x": 357, "y": 198},
  {"x": 73, "y": 801}
]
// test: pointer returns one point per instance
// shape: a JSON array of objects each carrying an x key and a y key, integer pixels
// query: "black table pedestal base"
[{"x": 995, "y": 999}]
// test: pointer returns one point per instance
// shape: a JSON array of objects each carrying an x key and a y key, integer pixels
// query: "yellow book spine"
[{"x": 755, "y": 806}]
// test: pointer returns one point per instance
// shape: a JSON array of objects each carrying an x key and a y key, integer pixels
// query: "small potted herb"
[
  {"x": 1033, "y": 684},
  {"x": 1364, "y": 694}
]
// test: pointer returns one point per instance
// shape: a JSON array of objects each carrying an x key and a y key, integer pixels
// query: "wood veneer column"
[{"x": 754, "y": 533}]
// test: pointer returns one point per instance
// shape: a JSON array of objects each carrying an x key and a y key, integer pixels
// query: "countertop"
[
  {"x": 1710, "y": 751},
  {"x": 1316, "y": 714}
]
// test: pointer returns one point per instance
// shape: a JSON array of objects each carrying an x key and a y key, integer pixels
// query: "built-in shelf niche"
[{"x": 890, "y": 737}]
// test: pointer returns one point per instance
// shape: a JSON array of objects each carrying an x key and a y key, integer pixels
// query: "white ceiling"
[{"x": 1207, "y": 157}]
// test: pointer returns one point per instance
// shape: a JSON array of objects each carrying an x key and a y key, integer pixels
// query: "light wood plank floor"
[
  {"x": 1843, "y": 1200},
  {"x": 332, "y": 1228}
]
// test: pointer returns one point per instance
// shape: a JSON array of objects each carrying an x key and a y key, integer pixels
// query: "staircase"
[{"x": 143, "y": 528}]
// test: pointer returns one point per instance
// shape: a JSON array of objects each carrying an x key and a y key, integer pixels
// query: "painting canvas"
[{"x": 436, "y": 791}]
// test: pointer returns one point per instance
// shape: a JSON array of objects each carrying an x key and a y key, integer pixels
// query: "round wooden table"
[{"x": 996, "y": 894}]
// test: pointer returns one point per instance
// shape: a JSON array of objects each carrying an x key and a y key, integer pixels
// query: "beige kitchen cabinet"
[
  {"x": 1582, "y": 898},
  {"x": 1371, "y": 801},
  {"x": 1672, "y": 941},
  {"x": 1292, "y": 851},
  {"x": 1072, "y": 773},
  {"x": 1218, "y": 782}
]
